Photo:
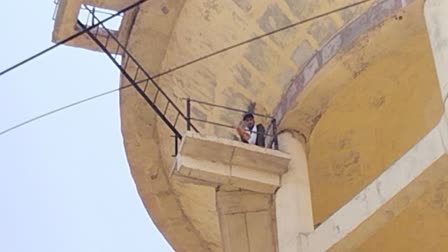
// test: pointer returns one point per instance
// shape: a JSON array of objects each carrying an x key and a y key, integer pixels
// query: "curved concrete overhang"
[
  {"x": 364, "y": 99},
  {"x": 339, "y": 48},
  {"x": 148, "y": 42},
  {"x": 185, "y": 212}
]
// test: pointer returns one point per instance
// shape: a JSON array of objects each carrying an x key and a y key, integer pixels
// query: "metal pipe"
[
  {"x": 151, "y": 79},
  {"x": 84, "y": 30},
  {"x": 220, "y": 124},
  {"x": 274, "y": 131},
  {"x": 188, "y": 114},
  {"x": 229, "y": 108}
]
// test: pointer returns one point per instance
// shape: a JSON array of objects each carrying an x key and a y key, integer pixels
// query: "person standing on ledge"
[{"x": 249, "y": 133}]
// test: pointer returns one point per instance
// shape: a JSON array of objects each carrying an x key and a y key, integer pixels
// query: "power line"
[
  {"x": 70, "y": 37},
  {"x": 60, "y": 109},
  {"x": 171, "y": 69},
  {"x": 262, "y": 36}
]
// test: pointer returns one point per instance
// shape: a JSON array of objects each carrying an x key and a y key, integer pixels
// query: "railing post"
[
  {"x": 274, "y": 132},
  {"x": 176, "y": 147},
  {"x": 188, "y": 114}
]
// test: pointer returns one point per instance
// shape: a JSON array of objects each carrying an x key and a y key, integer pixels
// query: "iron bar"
[
  {"x": 88, "y": 18},
  {"x": 107, "y": 40},
  {"x": 166, "y": 108},
  {"x": 146, "y": 85},
  {"x": 176, "y": 147},
  {"x": 93, "y": 14},
  {"x": 177, "y": 118},
  {"x": 274, "y": 132},
  {"x": 229, "y": 108},
  {"x": 213, "y": 123},
  {"x": 56, "y": 7},
  {"x": 84, "y": 30},
  {"x": 221, "y": 124},
  {"x": 101, "y": 11},
  {"x": 126, "y": 63},
  {"x": 149, "y": 77},
  {"x": 96, "y": 31},
  {"x": 188, "y": 113},
  {"x": 155, "y": 97},
  {"x": 118, "y": 48},
  {"x": 140, "y": 81},
  {"x": 139, "y": 90},
  {"x": 136, "y": 74}
]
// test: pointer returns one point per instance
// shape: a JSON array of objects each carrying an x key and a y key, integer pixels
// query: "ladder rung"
[
  {"x": 177, "y": 118},
  {"x": 146, "y": 85},
  {"x": 136, "y": 73},
  {"x": 87, "y": 21},
  {"x": 166, "y": 108},
  {"x": 96, "y": 31},
  {"x": 155, "y": 97},
  {"x": 103, "y": 42},
  {"x": 126, "y": 63},
  {"x": 107, "y": 40},
  {"x": 116, "y": 50}
]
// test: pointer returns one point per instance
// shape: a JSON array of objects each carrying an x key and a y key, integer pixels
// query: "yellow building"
[{"x": 358, "y": 92}]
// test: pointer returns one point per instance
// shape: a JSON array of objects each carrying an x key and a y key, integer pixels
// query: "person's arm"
[{"x": 243, "y": 134}]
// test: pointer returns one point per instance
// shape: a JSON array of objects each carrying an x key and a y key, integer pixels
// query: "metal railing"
[
  {"x": 103, "y": 37},
  {"x": 56, "y": 7},
  {"x": 272, "y": 124},
  {"x": 106, "y": 38},
  {"x": 91, "y": 13}
]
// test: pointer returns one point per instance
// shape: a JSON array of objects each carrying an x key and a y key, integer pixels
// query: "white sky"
[{"x": 65, "y": 184}]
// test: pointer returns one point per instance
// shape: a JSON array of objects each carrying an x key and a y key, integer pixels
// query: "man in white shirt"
[{"x": 249, "y": 133}]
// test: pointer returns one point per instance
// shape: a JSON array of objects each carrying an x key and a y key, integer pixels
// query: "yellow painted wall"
[
  {"x": 388, "y": 106},
  {"x": 257, "y": 72},
  {"x": 382, "y": 104},
  {"x": 366, "y": 107},
  {"x": 421, "y": 226}
]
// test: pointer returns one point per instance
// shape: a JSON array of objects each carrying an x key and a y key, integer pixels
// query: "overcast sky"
[{"x": 65, "y": 184}]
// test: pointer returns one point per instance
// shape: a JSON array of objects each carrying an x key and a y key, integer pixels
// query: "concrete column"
[
  {"x": 246, "y": 220},
  {"x": 293, "y": 198},
  {"x": 247, "y": 177},
  {"x": 406, "y": 179}
]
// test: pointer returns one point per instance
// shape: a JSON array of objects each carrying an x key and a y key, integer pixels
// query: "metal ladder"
[{"x": 104, "y": 37}]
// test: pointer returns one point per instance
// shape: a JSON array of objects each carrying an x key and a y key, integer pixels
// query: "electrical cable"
[
  {"x": 70, "y": 38},
  {"x": 171, "y": 69},
  {"x": 287, "y": 27},
  {"x": 60, "y": 109}
]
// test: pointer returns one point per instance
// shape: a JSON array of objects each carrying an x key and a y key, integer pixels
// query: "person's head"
[{"x": 249, "y": 121}]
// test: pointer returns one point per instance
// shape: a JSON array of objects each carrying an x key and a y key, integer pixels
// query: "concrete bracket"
[{"x": 227, "y": 162}]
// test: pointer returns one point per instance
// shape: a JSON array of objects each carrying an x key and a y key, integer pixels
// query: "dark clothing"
[{"x": 260, "y": 135}]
